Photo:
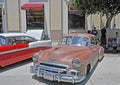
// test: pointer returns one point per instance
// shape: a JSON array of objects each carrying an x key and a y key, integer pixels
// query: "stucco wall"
[
  {"x": 12, "y": 9},
  {"x": 117, "y": 21},
  {"x": 95, "y": 21},
  {"x": 55, "y": 19},
  {"x": 55, "y": 14}
]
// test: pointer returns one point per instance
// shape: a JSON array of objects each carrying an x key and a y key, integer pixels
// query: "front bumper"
[{"x": 53, "y": 74}]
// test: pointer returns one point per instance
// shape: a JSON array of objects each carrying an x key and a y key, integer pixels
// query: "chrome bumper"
[{"x": 53, "y": 74}]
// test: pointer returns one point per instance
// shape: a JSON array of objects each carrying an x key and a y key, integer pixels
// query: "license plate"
[{"x": 48, "y": 76}]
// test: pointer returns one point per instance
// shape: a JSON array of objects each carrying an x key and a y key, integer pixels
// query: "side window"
[
  {"x": 93, "y": 41},
  {"x": 44, "y": 36},
  {"x": 20, "y": 40},
  {"x": 29, "y": 39},
  {"x": 11, "y": 40},
  {"x": 24, "y": 39}
]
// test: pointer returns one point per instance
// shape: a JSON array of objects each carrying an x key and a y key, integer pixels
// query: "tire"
[{"x": 88, "y": 69}]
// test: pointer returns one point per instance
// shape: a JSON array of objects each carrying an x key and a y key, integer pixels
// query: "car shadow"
[
  {"x": 111, "y": 52},
  {"x": 47, "y": 82},
  {"x": 16, "y": 65}
]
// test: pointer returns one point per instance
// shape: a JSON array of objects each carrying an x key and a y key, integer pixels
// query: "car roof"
[
  {"x": 80, "y": 34},
  {"x": 12, "y": 34}
]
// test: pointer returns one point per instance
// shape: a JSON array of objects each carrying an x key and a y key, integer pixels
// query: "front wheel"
[{"x": 88, "y": 69}]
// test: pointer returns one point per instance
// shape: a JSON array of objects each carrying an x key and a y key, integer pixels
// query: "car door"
[
  {"x": 24, "y": 49},
  {"x": 26, "y": 46}
]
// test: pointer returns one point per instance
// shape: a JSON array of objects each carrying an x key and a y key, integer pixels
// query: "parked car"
[
  {"x": 70, "y": 61},
  {"x": 16, "y": 47}
]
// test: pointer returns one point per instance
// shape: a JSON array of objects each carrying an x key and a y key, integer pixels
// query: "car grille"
[{"x": 53, "y": 67}]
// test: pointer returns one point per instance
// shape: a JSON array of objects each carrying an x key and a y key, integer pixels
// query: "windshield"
[{"x": 74, "y": 40}]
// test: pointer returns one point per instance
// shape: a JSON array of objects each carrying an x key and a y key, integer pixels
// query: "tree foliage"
[{"x": 109, "y": 8}]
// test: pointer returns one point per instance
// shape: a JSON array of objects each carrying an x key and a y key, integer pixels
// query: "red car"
[
  {"x": 15, "y": 47},
  {"x": 70, "y": 61}
]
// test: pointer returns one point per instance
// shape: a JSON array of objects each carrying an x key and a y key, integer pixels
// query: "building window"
[
  {"x": 35, "y": 19},
  {"x": 75, "y": 20}
]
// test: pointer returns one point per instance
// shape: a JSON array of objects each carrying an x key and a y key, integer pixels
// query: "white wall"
[{"x": 12, "y": 9}]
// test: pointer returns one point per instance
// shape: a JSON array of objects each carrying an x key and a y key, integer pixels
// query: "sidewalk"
[{"x": 107, "y": 71}]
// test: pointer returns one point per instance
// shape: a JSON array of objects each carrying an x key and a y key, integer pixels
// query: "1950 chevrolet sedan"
[
  {"x": 15, "y": 47},
  {"x": 70, "y": 61}
]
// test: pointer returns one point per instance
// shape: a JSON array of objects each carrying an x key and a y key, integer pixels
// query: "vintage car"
[
  {"x": 70, "y": 61},
  {"x": 15, "y": 47}
]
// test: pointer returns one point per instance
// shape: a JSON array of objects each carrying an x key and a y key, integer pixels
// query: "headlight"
[
  {"x": 76, "y": 63},
  {"x": 35, "y": 57}
]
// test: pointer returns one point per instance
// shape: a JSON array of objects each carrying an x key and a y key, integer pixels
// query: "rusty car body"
[{"x": 70, "y": 61}]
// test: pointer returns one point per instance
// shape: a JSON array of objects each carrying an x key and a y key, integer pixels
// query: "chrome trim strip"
[
  {"x": 20, "y": 49},
  {"x": 9, "y": 51}
]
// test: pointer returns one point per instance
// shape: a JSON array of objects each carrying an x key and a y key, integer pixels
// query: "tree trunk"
[{"x": 108, "y": 22}]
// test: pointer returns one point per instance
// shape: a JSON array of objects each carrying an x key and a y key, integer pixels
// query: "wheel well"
[{"x": 88, "y": 69}]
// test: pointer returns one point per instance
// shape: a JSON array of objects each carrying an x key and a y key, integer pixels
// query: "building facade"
[
  {"x": 56, "y": 17},
  {"x": 2, "y": 16}
]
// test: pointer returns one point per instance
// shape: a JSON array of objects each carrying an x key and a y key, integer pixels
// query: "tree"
[{"x": 109, "y": 8}]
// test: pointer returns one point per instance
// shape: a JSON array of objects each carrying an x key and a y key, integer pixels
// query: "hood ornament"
[{"x": 52, "y": 59}]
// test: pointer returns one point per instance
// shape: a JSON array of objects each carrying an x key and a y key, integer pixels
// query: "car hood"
[{"x": 65, "y": 54}]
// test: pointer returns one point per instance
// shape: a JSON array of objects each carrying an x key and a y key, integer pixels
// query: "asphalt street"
[{"x": 106, "y": 72}]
